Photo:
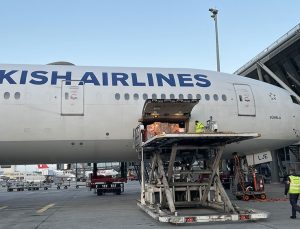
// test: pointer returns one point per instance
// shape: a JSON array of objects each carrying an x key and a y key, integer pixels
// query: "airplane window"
[
  {"x": 181, "y": 96},
  {"x": 145, "y": 96},
  {"x": 154, "y": 96},
  {"x": 207, "y": 97},
  {"x": 66, "y": 95},
  {"x": 198, "y": 96},
  {"x": 126, "y": 96},
  {"x": 172, "y": 96},
  {"x": 295, "y": 100},
  {"x": 216, "y": 97},
  {"x": 6, "y": 95},
  {"x": 224, "y": 97},
  {"x": 136, "y": 96},
  {"x": 163, "y": 96},
  {"x": 190, "y": 96},
  {"x": 117, "y": 96},
  {"x": 17, "y": 95}
]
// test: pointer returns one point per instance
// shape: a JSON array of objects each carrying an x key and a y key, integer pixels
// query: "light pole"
[{"x": 215, "y": 17}]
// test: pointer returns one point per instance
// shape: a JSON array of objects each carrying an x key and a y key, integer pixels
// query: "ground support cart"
[
  {"x": 33, "y": 186},
  {"x": 247, "y": 186},
  {"x": 107, "y": 184},
  {"x": 64, "y": 182},
  {"x": 16, "y": 185},
  {"x": 173, "y": 191},
  {"x": 80, "y": 184}
]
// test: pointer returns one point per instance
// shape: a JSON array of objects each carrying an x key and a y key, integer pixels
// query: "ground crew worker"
[
  {"x": 198, "y": 126},
  {"x": 293, "y": 188}
]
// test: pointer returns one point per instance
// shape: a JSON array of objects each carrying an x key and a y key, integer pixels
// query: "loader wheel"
[
  {"x": 263, "y": 196},
  {"x": 246, "y": 197}
]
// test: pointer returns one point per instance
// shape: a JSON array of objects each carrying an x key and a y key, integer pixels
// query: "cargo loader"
[{"x": 174, "y": 158}]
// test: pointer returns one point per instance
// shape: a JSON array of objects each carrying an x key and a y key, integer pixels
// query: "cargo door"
[
  {"x": 245, "y": 100},
  {"x": 72, "y": 98},
  {"x": 168, "y": 109}
]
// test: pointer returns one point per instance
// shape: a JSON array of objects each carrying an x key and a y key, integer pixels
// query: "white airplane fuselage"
[{"x": 43, "y": 119}]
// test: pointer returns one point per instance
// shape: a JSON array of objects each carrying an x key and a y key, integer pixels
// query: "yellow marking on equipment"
[
  {"x": 45, "y": 208},
  {"x": 3, "y": 207}
]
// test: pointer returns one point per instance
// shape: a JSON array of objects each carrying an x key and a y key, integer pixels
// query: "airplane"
[
  {"x": 44, "y": 168},
  {"x": 65, "y": 114},
  {"x": 107, "y": 172},
  {"x": 103, "y": 172}
]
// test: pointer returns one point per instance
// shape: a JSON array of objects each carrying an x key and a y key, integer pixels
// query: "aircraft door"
[
  {"x": 245, "y": 100},
  {"x": 72, "y": 98}
]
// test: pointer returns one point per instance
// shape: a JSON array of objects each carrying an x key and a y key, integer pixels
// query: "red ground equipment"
[
  {"x": 108, "y": 184},
  {"x": 247, "y": 186}
]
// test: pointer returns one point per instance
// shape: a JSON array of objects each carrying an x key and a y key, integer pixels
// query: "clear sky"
[{"x": 156, "y": 33}]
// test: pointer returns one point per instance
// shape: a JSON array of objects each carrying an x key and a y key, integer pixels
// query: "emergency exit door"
[
  {"x": 245, "y": 100},
  {"x": 72, "y": 98}
]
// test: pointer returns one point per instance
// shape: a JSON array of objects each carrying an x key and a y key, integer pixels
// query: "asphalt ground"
[{"x": 80, "y": 208}]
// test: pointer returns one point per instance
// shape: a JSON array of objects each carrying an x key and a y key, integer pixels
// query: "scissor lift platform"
[{"x": 173, "y": 185}]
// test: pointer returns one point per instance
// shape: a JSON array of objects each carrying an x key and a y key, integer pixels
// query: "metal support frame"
[
  {"x": 187, "y": 176},
  {"x": 278, "y": 80},
  {"x": 211, "y": 193},
  {"x": 215, "y": 179},
  {"x": 171, "y": 163},
  {"x": 167, "y": 190},
  {"x": 260, "y": 76}
]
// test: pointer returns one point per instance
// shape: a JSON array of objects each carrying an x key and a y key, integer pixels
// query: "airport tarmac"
[{"x": 81, "y": 208}]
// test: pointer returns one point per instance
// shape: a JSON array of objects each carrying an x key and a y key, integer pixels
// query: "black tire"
[
  {"x": 263, "y": 196},
  {"x": 77, "y": 186},
  {"x": 246, "y": 197},
  {"x": 58, "y": 187},
  {"x": 99, "y": 192}
]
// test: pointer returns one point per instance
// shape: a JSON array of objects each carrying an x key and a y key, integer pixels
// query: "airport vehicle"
[
  {"x": 30, "y": 186},
  {"x": 15, "y": 185},
  {"x": 247, "y": 185},
  {"x": 180, "y": 170},
  {"x": 107, "y": 184},
  {"x": 108, "y": 180},
  {"x": 81, "y": 114}
]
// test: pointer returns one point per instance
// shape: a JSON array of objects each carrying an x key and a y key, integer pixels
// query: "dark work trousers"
[{"x": 293, "y": 201}]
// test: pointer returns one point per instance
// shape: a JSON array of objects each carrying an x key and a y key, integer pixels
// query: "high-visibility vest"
[
  {"x": 199, "y": 127},
  {"x": 294, "y": 185}
]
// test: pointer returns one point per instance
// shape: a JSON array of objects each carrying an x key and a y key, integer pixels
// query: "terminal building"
[{"x": 279, "y": 64}]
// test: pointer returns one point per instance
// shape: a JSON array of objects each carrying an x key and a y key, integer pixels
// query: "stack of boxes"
[{"x": 158, "y": 128}]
